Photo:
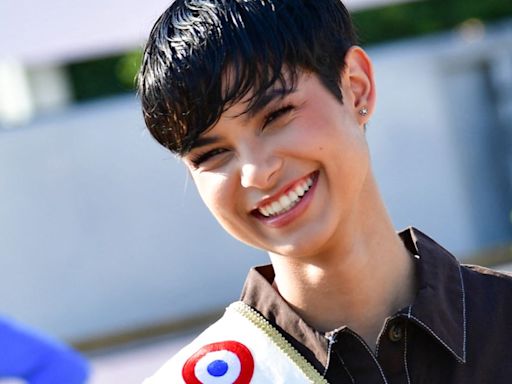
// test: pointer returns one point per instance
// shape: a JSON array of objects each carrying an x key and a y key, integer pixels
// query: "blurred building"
[{"x": 101, "y": 229}]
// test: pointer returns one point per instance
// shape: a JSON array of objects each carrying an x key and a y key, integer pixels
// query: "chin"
[{"x": 305, "y": 248}]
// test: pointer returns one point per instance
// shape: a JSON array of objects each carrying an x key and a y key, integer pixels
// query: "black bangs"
[{"x": 202, "y": 56}]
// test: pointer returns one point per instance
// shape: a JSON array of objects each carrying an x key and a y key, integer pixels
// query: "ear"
[{"x": 358, "y": 83}]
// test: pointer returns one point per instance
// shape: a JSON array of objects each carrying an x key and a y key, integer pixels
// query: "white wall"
[{"x": 436, "y": 137}]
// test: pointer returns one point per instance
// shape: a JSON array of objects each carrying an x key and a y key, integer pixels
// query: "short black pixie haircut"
[{"x": 196, "y": 44}]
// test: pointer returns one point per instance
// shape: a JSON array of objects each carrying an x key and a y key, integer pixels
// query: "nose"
[{"x": 259, "y": 169}]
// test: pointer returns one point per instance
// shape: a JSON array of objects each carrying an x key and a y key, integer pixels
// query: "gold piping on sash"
[{"x": 279, "y": 341}]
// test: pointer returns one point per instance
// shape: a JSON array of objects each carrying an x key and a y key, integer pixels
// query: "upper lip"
[{"x": 275, "y": 197}]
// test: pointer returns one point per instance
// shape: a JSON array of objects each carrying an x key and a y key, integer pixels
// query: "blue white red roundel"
[{"x": 226, "y": 362}]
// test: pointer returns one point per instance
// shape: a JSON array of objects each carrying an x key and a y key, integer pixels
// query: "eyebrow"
[
  {"x": 261, "y": 102},
  {"x": 203, "y": 141}
]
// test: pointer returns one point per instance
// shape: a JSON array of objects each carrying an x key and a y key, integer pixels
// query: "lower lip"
[{"x": 289, "y": 216}]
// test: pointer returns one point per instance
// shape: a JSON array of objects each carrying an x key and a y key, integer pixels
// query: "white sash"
[{"x": 242, "y": 347}]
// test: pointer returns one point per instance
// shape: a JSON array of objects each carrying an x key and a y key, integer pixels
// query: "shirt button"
[{"x": 395, "y": 332}]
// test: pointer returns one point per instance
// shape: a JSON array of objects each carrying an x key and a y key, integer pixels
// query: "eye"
[
  {"x": 275, "y": 114},
  {"x": 198, "y": 159}
]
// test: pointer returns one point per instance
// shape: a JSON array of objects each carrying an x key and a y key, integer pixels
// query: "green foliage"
[
  {"x": 105, "y": 76},
  {"x": 424, "y": 17},
  {"x": 127, "y": 68},
  {"x": 95, "y": 78}
]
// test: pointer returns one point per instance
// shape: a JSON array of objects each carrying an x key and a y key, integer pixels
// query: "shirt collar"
[
  {"x": 440, "y": 304},
  {"x": 259, "y": 294},
  {"x": 439, "y": 307}
]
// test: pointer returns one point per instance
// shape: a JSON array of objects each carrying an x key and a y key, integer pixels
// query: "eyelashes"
[
  {"x": 273, "y": 115},
  {"x": 200, "y": 158},
  {"x": 277, "y": 113}
]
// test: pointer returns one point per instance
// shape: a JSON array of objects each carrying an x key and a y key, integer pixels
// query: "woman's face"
[{"x": 288, "y": 177}]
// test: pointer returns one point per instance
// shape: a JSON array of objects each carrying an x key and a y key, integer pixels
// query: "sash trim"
[{"x": 278, "y": 340}]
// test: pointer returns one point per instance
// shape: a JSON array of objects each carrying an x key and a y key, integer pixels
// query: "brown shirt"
[{"x": 458, "y": 330}]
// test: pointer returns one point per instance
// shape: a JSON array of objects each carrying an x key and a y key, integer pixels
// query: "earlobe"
[{"x": 359, "y": 82}]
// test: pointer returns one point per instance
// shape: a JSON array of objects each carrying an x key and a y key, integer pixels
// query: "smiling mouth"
[{"x": 287, "y": 200}]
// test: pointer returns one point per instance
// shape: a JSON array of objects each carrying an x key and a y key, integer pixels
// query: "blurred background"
[{"x": 104, "y": 242}]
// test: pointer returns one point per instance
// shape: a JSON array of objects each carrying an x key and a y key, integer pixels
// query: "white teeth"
[
  {"x": 293, "y": 196},
  {"x": 287, "y": 201}
]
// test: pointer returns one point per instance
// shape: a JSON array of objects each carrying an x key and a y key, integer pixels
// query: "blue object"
[
  {"x": 217, "y": 368},
  {"x": 36, "y": 358}
]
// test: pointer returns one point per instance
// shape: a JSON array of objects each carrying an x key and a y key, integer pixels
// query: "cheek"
[
  {"x": 219, "y": 193},
  {"x": 215, "y": 192}
]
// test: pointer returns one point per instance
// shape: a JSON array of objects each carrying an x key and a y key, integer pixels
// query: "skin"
[{"x": 337, "y": 258}]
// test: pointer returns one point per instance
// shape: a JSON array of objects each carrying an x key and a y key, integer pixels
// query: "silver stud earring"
[{"x": 363, "y": 111}]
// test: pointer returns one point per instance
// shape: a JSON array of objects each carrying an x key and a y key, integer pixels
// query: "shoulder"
[
  {"x": 242, "y": 346},
  {"x": 220, "y": 350},
  {"x": 172, "y": 370},
  {"x": 488, "y": 291},
  {"x": 486, "y": 276}
]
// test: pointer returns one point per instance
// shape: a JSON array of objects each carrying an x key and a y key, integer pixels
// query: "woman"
[{"x": 266, "y": 102}]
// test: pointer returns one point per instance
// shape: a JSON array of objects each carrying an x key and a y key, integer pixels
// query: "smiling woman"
[
  {"x": 249, "y": 166},
  {"x": 266, "y": 102}
]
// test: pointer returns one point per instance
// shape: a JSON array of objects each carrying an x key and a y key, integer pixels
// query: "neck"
[{"x": 363, "y": 277}]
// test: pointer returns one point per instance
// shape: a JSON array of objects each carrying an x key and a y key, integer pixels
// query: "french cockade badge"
[{"x": 225, "y": 362}]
